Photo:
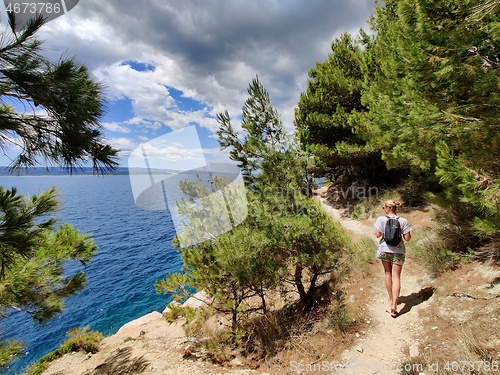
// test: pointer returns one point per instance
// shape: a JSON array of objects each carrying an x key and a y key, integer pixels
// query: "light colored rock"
[
  {"x": 151, "y": 325},
  {"x": 236, "y": 362},
  {"x": 414, "y": 350},
  {"x": 167, "y": 309},
  {"x": 198, "y": 300}
]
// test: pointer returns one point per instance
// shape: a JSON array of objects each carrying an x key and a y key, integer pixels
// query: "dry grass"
[
  {"x": 321, "y": 336},
  {"x": 329, "y": 331},
  {"x": 273, "y": 341},
  {"x": 462, "y": 323},
  {"x": 288, "y": 334},
  {"x": 78, "y": 339}
]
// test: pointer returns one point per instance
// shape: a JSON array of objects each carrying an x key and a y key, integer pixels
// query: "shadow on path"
[
  {"x": 415, "y": 299},
  {"x": 120, "y": 362}
]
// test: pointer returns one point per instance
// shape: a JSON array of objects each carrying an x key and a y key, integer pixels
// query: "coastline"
[{"x": 146, "y": 345}]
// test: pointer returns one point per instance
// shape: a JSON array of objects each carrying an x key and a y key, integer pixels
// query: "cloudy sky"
[{"x": 167, "y": 64}]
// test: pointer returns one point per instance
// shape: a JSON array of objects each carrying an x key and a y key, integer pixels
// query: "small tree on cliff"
[
  {"x": 303, "y": 236},
  {"x": 286, "y": 237}
]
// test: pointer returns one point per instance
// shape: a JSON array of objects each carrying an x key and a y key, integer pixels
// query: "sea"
[{"x": 135, "y": 250}]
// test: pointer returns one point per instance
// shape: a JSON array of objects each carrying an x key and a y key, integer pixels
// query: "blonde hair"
[{"x": 392, "y": 204}]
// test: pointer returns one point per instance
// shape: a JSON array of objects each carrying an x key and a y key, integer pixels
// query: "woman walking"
[{"x": 392, "y": 254}]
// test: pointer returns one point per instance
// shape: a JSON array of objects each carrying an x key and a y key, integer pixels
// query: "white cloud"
[
  {"x": 208, "y": 49},
  {"x": 182, "y": 119},
  {"x": 216, "y": 155},
  {"x": 146, "y": 89},
  {"x": 172, "y": 153},
  {"x": 125, "y": 145},
  {"x": 115, "y": 127}
]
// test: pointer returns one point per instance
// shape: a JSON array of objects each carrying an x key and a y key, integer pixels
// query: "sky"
[{"x": 169, "y": 64}]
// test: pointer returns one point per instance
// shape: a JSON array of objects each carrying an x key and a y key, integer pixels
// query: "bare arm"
[{"x": 407, "y": 236}]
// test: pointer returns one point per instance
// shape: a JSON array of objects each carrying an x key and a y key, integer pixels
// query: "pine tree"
[
  {"x": 433, "y": 98},
  {"x": 434, "y": 77},
  {"x": 32, "y": 258},
  {"x": 328, "y": 120},
  {"x": 473, "y": 188},
  {"x": 285, "y": 238},
  {"x": 264, "y": 134},
  {"x": 49, "y": 112}
]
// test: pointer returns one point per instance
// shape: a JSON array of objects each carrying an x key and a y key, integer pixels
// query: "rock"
[
  {"x": 359, "y": 348},
  {"x": 167, "y": 309},
  {"x": 236, "y": 362},
  {"x": 414, "y": 350},
  {"x": 198, "y": 300},
  {"x": 150, "y": 326}
]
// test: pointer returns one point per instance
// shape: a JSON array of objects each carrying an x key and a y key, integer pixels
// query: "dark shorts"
[{"x": 394, "y": 258}]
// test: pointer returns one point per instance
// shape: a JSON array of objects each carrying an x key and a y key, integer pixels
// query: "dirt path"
[
  {"x": 149, "y": 345},
  {"x": 382, "y": 349},
  {"x": 389, "y": 340}
]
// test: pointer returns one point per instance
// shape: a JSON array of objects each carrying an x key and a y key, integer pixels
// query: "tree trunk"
[
  {"x": 262, "y": 297},
  {"x": 312, "y": 286},
  {"x": 300, "y": 286},
  {"x": 234, "y": 311}
]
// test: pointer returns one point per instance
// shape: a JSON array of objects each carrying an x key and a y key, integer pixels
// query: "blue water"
[{"x": 134, "y": 250}]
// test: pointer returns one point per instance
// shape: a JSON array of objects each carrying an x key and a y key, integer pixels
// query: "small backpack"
[{"x": 392, "y": 231}]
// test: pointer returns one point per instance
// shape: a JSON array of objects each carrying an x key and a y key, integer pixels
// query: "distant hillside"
[{"x": 54, "y": 171}]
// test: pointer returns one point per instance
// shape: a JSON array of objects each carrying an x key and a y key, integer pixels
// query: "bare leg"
[
  {"x": 396, "y": 285},
  {"x": 388, "y": 280}
]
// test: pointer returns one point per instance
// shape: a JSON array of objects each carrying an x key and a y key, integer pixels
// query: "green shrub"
[
  {"x": 195, "y": 317},
  {"x": 432, "y": 253},
  {"x": 341, "y": 319},
  {"x": 79, "y": 339},
  {"x": 413, "y": 192},
  {"x": 223, "y": 346},
  {"x": 357, "y": 211},
  {"x": 362, "y": 254},
  {"x": 8, "y": 350}
]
